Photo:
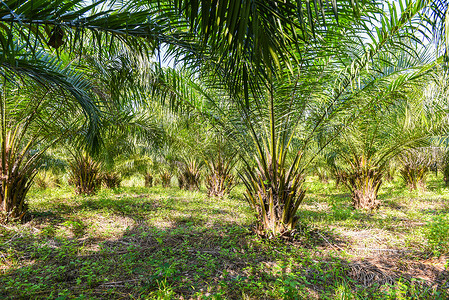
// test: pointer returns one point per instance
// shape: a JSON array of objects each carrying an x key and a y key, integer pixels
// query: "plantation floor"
[{"x": 138, "y": 243}]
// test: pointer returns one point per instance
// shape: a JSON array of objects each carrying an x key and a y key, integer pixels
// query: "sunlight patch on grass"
[{"x": 151, "y": 242}]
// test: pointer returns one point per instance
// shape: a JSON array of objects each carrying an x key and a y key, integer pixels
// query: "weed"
[
  {"x": 164, "y": 243},
  {"x": 438, "y": 234}
]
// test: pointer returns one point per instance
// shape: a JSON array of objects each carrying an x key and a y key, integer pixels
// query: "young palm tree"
[
  {"x": 367, "y": 146},
  {"x": 131, "y": 129},
  {"x": 220, "y": 179},
  {"x": 33, "y": 118},
  {"x": 246, "y": 47},
  {"x": 415, "y": 168},
  {"x": 32, "y": 121},
  {"x": 275, "y": 122},
  {"x": 84, "y": 173},
  {"x": 189, "y": 174}
]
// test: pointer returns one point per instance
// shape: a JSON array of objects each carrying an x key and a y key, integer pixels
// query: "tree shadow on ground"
[
  {"x": 187, "y": 257},
  {"x": 198, "y": 258},
  {"x": 226, "y": 261}
]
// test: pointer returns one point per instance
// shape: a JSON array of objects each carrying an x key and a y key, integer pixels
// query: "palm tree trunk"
[
  {"x": 148, "y": 180},
  {"x": 3, "y": 174},
  {"x": 363, "y": 181},
  {"x": 365, "y": 197}
]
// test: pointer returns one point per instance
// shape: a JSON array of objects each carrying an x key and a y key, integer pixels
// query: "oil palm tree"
[
  {"x": 275, "y": 116},
  {"x": 275, "y": 122},
  {"x": 416, "y": 165},
  {"x": 26, "y": 60},
  {"x": 130, "y": 124},
  {"x": 34, "y": 116},
  {"x": 246, "y": 45},
  {"x": 396, "y": 120}
]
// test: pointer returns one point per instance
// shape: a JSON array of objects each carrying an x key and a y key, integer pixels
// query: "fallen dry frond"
[{"x": 388, "y": 269}]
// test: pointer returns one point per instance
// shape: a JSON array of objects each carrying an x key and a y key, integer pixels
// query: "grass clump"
[{"x": 438, "y": 234}]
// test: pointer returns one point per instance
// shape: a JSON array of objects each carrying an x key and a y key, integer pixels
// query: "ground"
[{"x": 156, "y": 243}]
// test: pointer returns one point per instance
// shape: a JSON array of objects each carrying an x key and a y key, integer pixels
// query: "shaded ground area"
[{"x": 136, "y": 243}]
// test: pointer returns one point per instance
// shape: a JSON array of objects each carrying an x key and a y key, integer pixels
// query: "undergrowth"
[{"x": 164, "y": 243}]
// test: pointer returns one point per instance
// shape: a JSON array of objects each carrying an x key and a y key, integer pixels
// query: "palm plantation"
[{"x": 236, "y": 102}]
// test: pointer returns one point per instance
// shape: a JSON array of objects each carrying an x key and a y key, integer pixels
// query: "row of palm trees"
[{"x": 282, "y": 81}]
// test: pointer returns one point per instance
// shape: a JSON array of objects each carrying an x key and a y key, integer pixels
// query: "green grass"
[{"x": 139, "y": 243}]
